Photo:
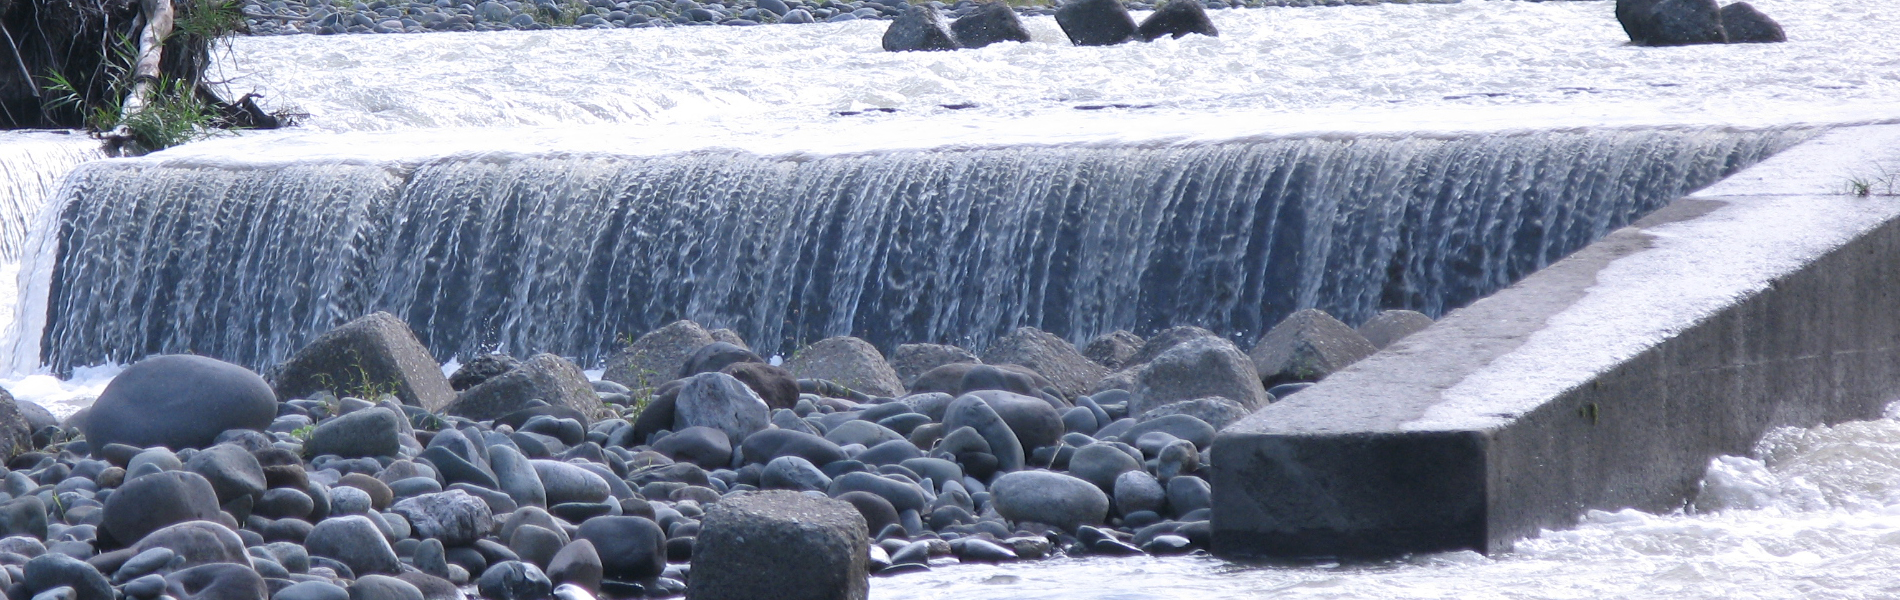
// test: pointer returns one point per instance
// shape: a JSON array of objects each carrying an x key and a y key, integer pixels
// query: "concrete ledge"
[{"x": 1607, "y": 380}]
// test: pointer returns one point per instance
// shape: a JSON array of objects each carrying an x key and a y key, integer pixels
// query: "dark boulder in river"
[
  {"x": 1096, "y": 22},
  {"x": 1671, "y": 22},
  {"x": 920, "y": 28}
]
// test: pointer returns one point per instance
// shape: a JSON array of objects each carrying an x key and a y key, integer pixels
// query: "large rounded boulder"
[
  {"x": 179, "y": 401},
  {"x": 1049, "y": 498}
]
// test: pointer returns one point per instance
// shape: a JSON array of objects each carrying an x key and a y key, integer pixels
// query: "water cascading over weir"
[{"x": 575, "y": 253}]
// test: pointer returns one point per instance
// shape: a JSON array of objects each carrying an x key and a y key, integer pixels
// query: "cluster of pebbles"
[{"x": 360, "y": 472}]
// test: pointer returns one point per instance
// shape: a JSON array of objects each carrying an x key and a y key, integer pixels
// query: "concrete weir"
[{"x": 1607, "y": 380}]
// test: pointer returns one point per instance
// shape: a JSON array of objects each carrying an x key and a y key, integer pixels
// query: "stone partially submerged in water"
[
  {"x": 1176, "y": 19},
  {"x": 920, "y": 28}
]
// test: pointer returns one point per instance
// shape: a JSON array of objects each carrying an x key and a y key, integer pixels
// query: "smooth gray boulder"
[
  {"x": 232, "y": 471},
  {"x": 1033, "y": 420},
  {"x": 973, "y": 412},
  {"x": 356, "y": 542},
  {"x": 1137, "y": 491},
  {"x": 1100, "y": 464},
  {"x": 516, "y": 476},
  {"x": 1307, "y": 346},
  {"x": 782, "y": 545},
  {"x": 373, "y": 355},
  {"x": 716, "y": 356},
  {"x": 1198, "y": 368},
  {"x": 178, "y": 401},
  {"x": 920, "y": 28},
  {"x": 543, "y": 377},
  {"x": 1052, "y": 499},
  {"x": 146, "y": 504},
  {"x": 369, "y": 432},
  {"x": 630, "y": 548},
  {"x": 1052, "y": 357},
  {"x": 912, "y": 360},
  {"x": 722, "y": 402},
  {"x": 657, "y": 356},
  {"x": 850, "y": 362},
  {"x": 1392, "y": 325},
  {"x": 566, "y": 482}
]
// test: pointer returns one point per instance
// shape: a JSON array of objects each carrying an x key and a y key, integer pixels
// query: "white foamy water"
[
  {"x": 1817, "y": 516},
  {"x": 1403, "y": 66}
]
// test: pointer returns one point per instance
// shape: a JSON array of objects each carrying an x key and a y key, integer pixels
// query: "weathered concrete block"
[
  {"x": 782, "y": 545},
  {"x": 1607, "y": 380},
  {"x": 373, "y": 353}
]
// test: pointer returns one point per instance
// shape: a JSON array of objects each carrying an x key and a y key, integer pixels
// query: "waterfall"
[
  {"x": 575, "y": 254},
  {"x": 32, "y": 165}
]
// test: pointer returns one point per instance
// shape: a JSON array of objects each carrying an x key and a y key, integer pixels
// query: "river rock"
[
  {"x": 1052, "y": 499},
  {"x": 975, "y": 413},
  {"x": 1034, "y": 422},
  {"x": 196, "y": 543},
  {"x": 1392, "y": 325},
  {"x": 766, "y": 445},
  {"x": 913, "y": 360},
  {"x": 369, "y": 432},
  {"x": 25, "y": 515},
  {"x": 577, "y": 563},
  {"x": 312, "y": 590},
  {"x": 232, "y": 471},
  {"x": 1176, "y": 19},
  {"x": 544, "y": 377},
  {"x": 704, "y": 446},
  {"x": 1112, "y": 350},
  {"x": 657, "y": 356},
  {"x": 850, "y": 362},
  {"x": 1100, "y": 464},
  {"x": 480, "y": 369},
  {"x": 372, "y": 355},
  {"x": 516, "y": 476},
  {"x": 356, "y": 542},
  {"x": 178, "y": 401},
  {"x": 1745, "y": 25},
  {"x": 716, "y": 356},
  {"x": 1671, "y": 22},
  {"x": 1181, "y": 426},
  {"x": 779, "y": 544},
  {"x": 1052, "y": 357},
  {"x": 564, "y": 482},
  {"x": 383, "y": 587},
  {"x": 1217, "y": 412},
  {"x": 863, "y": 433},
  {"x": 921, "y": 27},
  {"x": 877, "y": 512},
  {"x": 53, "y": 570},
  {"x": 630, "y": 548},
  {"x": 1198, "y": 368},
  {"x": 146, "y": 504},
  {"x": 514, "y": 580},
  {"x": 1188, "y": 493},
  {"x": 901, "y": 493},
  {"x": 454, "y": 516},
  {"x": 1096, "y": 22},
  {"x": 1307, "y": 346},
  {"x": 774, "y": 385},
  {"x": 1137, "y": 491},
  {"x": 989, "y": 23},
  {"x": 721, "y": 402}
]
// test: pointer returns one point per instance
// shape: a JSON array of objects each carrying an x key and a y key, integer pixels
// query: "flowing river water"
[{"x": 1813, "y": 513}]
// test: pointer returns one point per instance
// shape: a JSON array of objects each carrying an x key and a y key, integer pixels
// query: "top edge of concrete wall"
[{"x": 1607, "y": 380}]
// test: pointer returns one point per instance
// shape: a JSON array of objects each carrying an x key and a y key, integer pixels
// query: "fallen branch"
[{"x": 158, "y": 26}]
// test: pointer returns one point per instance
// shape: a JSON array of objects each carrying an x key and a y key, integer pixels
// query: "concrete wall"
[{"x": 1605, "y": 381}]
